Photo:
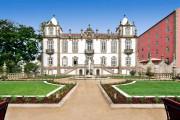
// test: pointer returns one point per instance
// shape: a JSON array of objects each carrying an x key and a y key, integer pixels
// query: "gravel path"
[{"x": 86, "y": 103}]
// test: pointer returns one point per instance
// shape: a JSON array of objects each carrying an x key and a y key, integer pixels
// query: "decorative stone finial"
[
  {"x": 108, "y": 30},
  {"x": 70, "y": 31},
  {"x": 81, "y": 30},
  {"x": 97, "y": 31}
]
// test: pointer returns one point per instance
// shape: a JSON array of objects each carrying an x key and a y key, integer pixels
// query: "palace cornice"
[{"x": 94, "y": 36}]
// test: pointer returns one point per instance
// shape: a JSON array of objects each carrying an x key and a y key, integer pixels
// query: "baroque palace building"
[{"x": 88, "y": 52}]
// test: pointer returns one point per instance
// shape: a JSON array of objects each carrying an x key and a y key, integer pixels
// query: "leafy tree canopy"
[{"x": 17, "y": 42}]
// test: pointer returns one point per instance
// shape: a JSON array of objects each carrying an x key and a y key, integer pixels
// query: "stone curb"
[
  {"x": 135, "y": 106},
  {"x": 60, "y": 104},
  {"x": 107, "y": 98}
]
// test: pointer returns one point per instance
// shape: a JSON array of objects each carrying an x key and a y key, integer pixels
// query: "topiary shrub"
[{"x": 132, "y": 72}]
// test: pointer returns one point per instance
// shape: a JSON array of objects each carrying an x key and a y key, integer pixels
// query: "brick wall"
[
  {"x": 155, "y": 40},
  {"x": 178, "y": 38}
]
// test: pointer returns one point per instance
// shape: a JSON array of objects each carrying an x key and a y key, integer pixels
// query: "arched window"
[
  {"x": 128, "y": 44},
  {"x": 50, "y": 61},
  {"x": 75, "y": 61},
  {"x": 113, "y": 46},
  {"x": 65, "y": 61},
  {"x": 113, "y": 61},
  {"x": 50, "y": 29},
  {"x": 103, "y": 60}
]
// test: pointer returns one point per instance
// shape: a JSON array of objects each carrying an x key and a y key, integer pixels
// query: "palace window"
[
  {"x": 103, "y": 60},
  {"x": 128, "y": 44},
  {"x": 113, "y": 46},
  {"x": 89, "y": 45},
  {"x": 75, "y": 46},
  {"x": 113, "y": 61},
  {"x": 65, "y": 61},
  {"x": 65, "y": 46},
  {"x": 128, "y": 61},
  {"x": 103, "y": 46},
  {"x": 50, "y": 29},
  {"x": 50, "y": 44},
  {"x": 50, "y": 61},
  {"x": 127, "y": 30},
  {"x": 75, "y": 61}
]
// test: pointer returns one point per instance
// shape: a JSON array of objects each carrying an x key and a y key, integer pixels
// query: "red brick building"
[{"x": 161, "y": 41}]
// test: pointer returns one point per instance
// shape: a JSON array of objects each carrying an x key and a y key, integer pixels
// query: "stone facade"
[{"x": 88, "y": 52}]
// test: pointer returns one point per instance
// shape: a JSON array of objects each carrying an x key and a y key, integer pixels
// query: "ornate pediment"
[{"x": 89, "y": 33}]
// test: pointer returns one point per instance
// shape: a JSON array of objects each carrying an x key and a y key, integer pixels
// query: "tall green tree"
[
  {"x": 31, "y": 68},
  {"x": 17, "y": 42}
]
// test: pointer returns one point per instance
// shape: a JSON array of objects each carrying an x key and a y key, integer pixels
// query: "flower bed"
[
  {"x": 118, "y": 98},
  {"x": 54, "y": 98}
]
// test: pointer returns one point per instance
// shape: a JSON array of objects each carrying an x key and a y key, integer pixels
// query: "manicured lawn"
[
  {"x": 128, "y": 77},
  {"x": 152, "y": 88},
  {"x": 25, "y": 88}
]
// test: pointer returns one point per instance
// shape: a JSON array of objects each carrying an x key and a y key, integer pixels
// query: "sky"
[{"x": 77, "y": 14}]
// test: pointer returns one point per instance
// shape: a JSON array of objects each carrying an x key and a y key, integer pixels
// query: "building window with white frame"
[
  {"x": 50, "y": 61},
  {"x": 113, "y": 46},
  {"x": 113, "y": 61},
  {"x": 127, "y": 30},
  {"x": 50, "y": 44},
  {"x": 65, "y": 61},
  {"x": 50, "y": 29},
  {"x": 89, "y": 45},
  {"x": 128, "y": 61},
  {"x": 65, "y": 46},
  {"x": 128, "y": 44},
  {"x": 103, "y": 46},
  {"x": 75, "y": 46},
  {"x": 103, "y": 60}
]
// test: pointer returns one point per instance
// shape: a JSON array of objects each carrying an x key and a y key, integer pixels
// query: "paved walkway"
[{"x": 86, "y": 103}]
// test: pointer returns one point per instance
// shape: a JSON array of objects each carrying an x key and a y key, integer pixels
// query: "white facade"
[{"x": 89, "y": 52}]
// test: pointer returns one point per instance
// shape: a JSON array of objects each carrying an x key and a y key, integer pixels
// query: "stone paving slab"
[{"x": 86, "y": 103}]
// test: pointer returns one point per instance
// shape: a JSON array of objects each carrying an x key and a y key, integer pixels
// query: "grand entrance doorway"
[
  {"x": 80, "y": 72},
  {"x": 97, "y": 72}
]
